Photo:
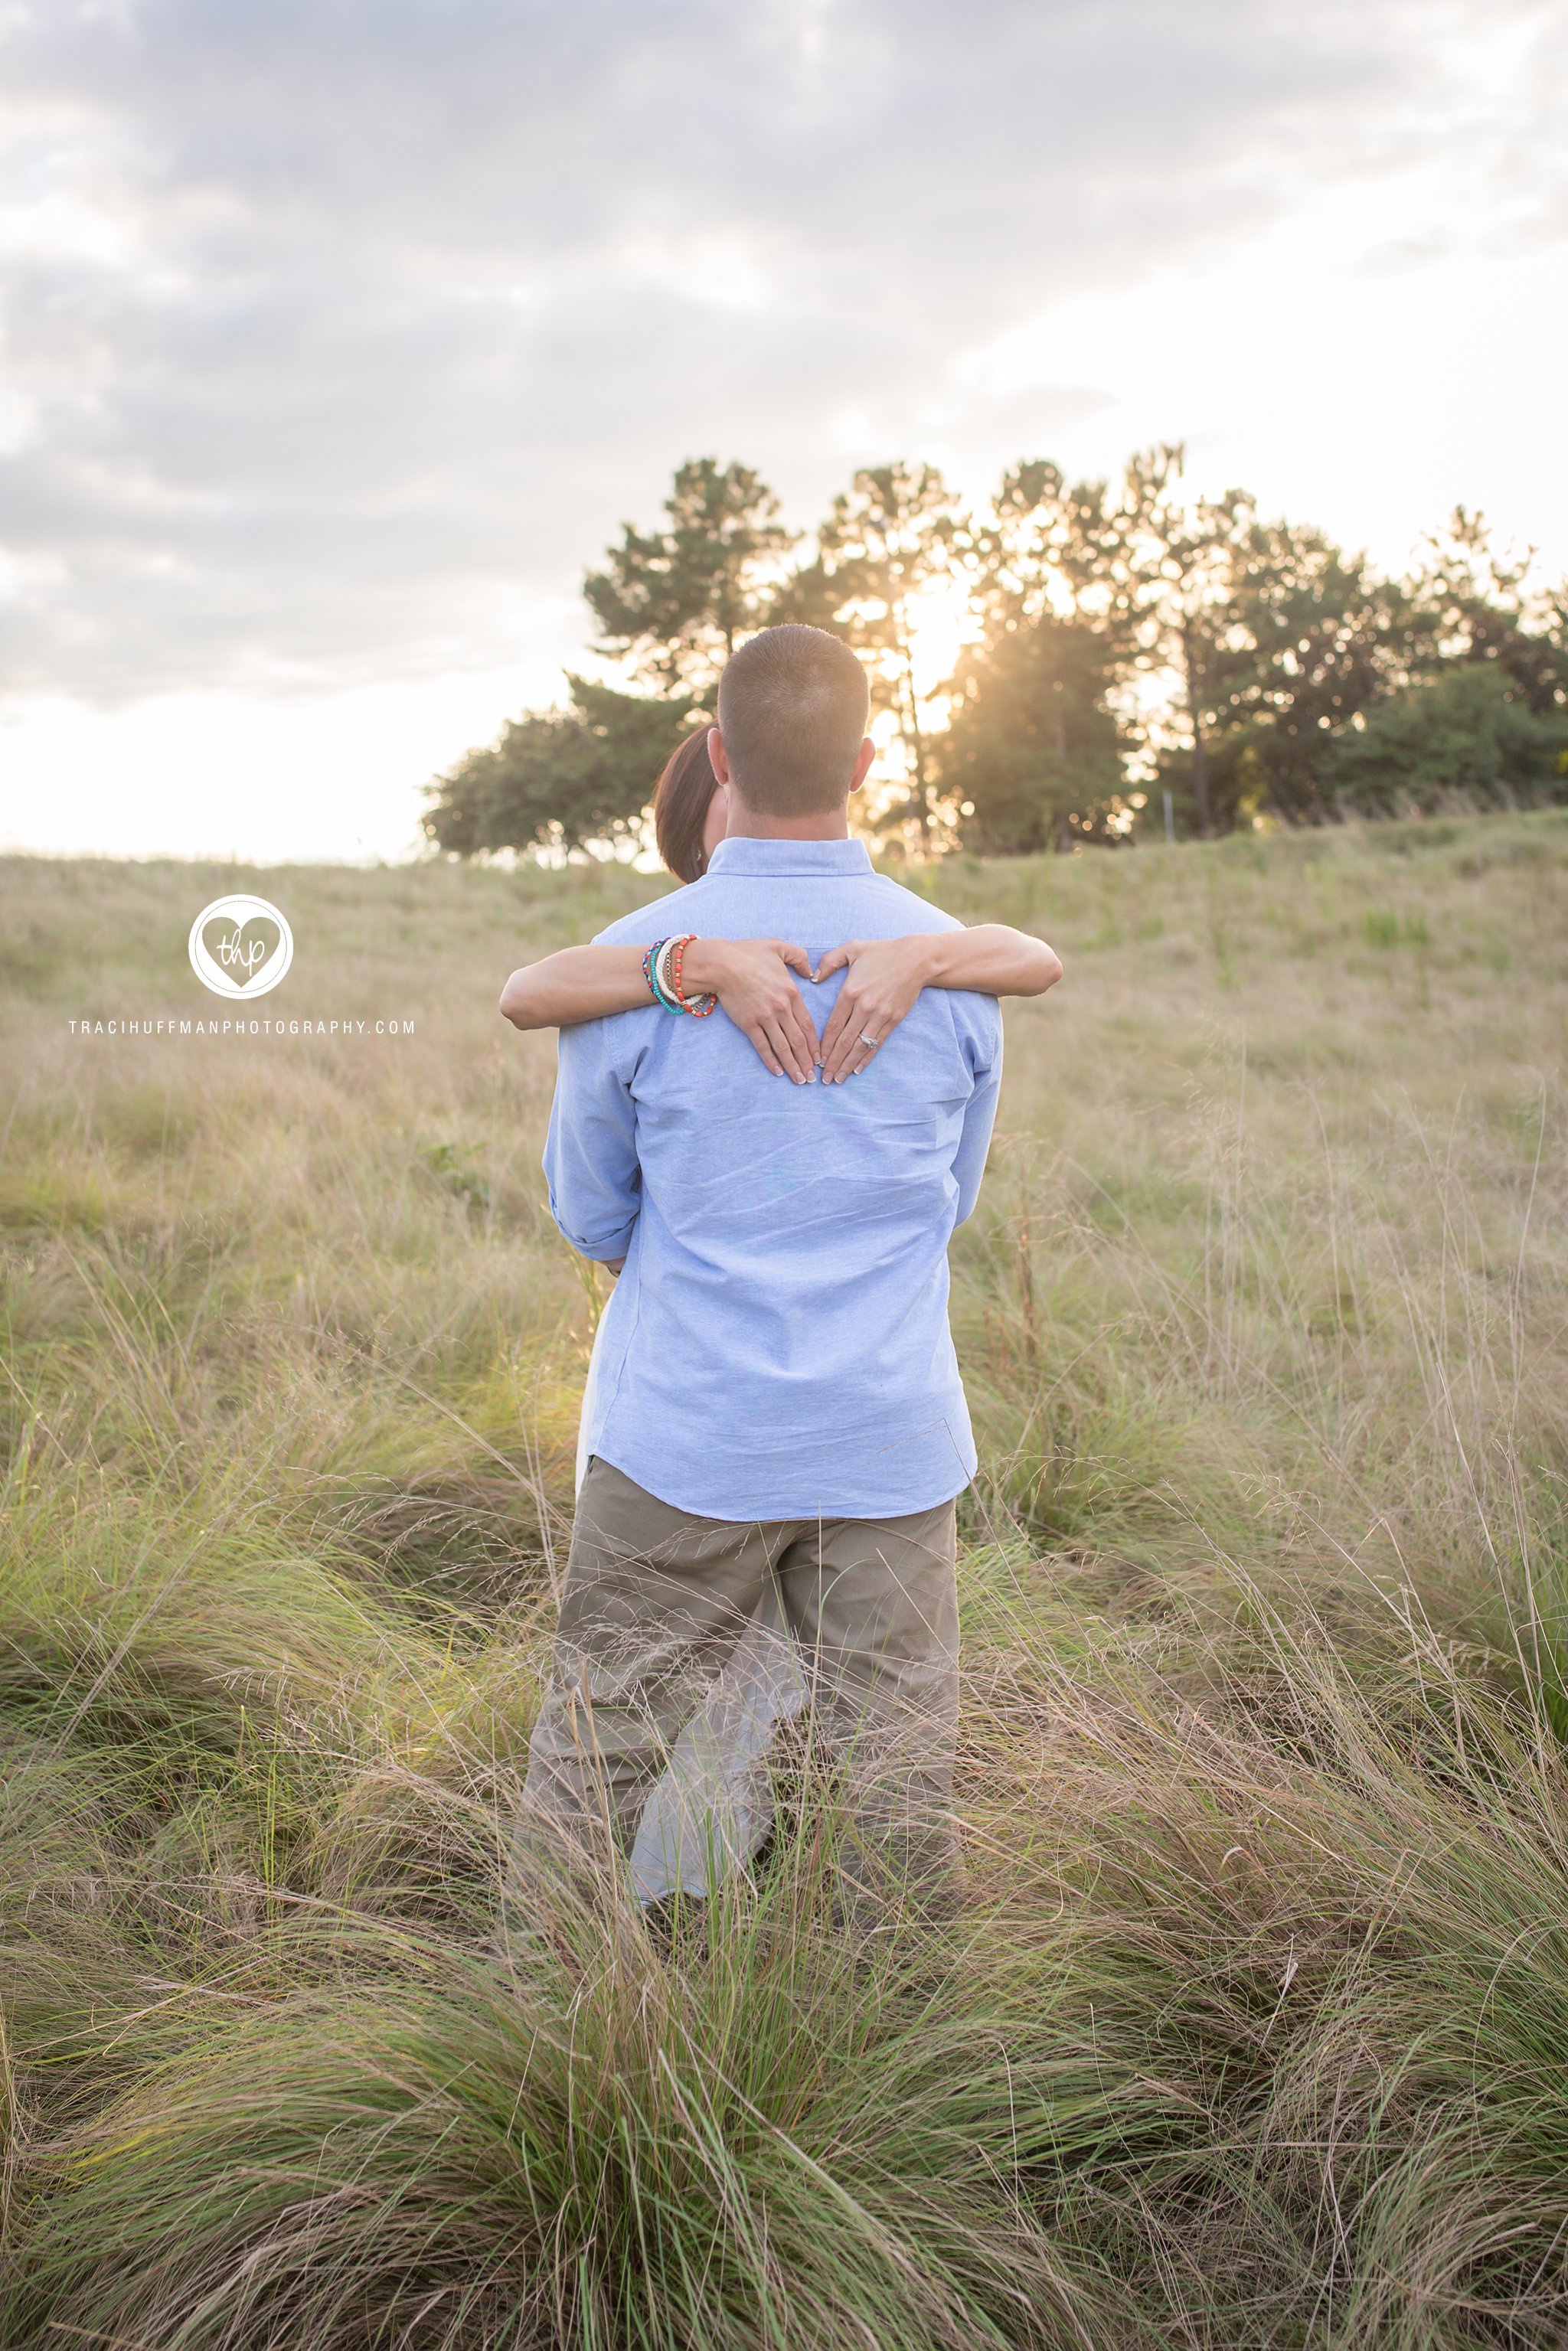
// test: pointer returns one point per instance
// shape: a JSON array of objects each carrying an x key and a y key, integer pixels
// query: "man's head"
[{"x": 792, "y": 709}]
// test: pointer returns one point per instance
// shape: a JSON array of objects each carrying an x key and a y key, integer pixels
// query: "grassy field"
[{"x": 1255, "y": 2029}]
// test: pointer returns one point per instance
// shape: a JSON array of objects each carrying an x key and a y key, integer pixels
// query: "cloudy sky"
[{"x": 338, "y": 335}]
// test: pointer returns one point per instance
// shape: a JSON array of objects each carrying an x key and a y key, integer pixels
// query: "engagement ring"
[{"x": 872, "y": 1041}]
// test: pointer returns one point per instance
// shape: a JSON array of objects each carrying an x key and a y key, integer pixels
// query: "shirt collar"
[{"x": 745, "y": 854}]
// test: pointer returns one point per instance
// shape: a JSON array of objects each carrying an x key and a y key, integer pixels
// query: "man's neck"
[{"x": 749, "y": 824}]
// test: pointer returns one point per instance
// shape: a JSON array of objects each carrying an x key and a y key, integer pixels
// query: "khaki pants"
[{"x": 654, "y": 1602}]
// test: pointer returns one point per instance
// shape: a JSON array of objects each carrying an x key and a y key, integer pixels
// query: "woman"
[{"x": 750, "y": 978}]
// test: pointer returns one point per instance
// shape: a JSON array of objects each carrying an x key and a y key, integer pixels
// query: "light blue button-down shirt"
[{"x": 777, "y": 1346}]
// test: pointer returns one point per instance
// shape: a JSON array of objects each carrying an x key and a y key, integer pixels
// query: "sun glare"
[{"x": 942, "y": 623}]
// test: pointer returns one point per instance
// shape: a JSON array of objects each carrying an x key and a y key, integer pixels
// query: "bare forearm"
[
  {"x": 994, "y": 960},
  {"x": 751, "y": 979},
  {"x": 575, "y": 983}
]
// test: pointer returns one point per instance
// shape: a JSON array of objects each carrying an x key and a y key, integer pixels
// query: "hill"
[{"x": 1254, "y": 2031}]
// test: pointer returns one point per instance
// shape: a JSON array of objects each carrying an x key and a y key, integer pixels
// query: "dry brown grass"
[{"x": 1255, "y": 2031}]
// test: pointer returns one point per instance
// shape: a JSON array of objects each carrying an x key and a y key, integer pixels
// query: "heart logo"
[
  {"x": 240, "y": 946},
  {"x": 243, "y": 949}
]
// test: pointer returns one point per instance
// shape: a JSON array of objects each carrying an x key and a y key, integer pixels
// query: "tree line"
[{"x": 1128, "y": 647}]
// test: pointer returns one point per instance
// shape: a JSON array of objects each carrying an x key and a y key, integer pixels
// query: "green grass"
[{"x": 1253, "y": 2031}]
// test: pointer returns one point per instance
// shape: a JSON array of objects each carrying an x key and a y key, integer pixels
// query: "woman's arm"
[
  {"x": 575, "y": 983},
  {"x": 884, "y": 977},
  {"x": 751, "y": 979}
]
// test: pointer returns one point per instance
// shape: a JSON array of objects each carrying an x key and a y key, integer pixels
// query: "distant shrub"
[
  {"x": 558, "y": 779},
  {"x": 1469, "y": 734}
]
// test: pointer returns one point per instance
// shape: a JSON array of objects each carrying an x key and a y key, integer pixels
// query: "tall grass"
[{"x": 1253, "y": 2027}]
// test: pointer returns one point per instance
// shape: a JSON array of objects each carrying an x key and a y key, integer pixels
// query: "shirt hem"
[{"x": 907, "y": 1504}]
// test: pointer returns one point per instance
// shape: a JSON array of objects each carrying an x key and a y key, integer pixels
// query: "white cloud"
[{"x": 336, "y": 340}]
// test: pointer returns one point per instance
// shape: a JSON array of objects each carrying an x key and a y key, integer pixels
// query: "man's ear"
[
  {"x": 862, "y": 764},
  {"x": 716, "y": 758}
]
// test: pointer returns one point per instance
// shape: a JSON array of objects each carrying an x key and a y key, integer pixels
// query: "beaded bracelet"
[
  {"x": 650, "y": 975},
  {"x": 662, "y": 972},
  {"x": 699, "y": 1005}
]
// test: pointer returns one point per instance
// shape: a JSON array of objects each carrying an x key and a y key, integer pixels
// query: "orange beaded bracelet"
[{"x": 700, "y": 1007}]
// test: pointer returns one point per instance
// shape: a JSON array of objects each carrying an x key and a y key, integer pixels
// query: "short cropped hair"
[{"x": 793, "y": 704}]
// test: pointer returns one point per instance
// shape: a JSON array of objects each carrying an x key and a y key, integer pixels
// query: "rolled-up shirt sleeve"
[
  {"x": 591, "y": 1152},
  {"x": 980, "y": 1036}
]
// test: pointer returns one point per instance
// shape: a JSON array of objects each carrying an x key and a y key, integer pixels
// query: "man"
[{"x": 776, "y": 1398}]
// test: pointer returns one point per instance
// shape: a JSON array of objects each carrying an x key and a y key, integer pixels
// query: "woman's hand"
[
  {"x": 751, "y": 980},
  {"x": 882, "y": 979}
]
